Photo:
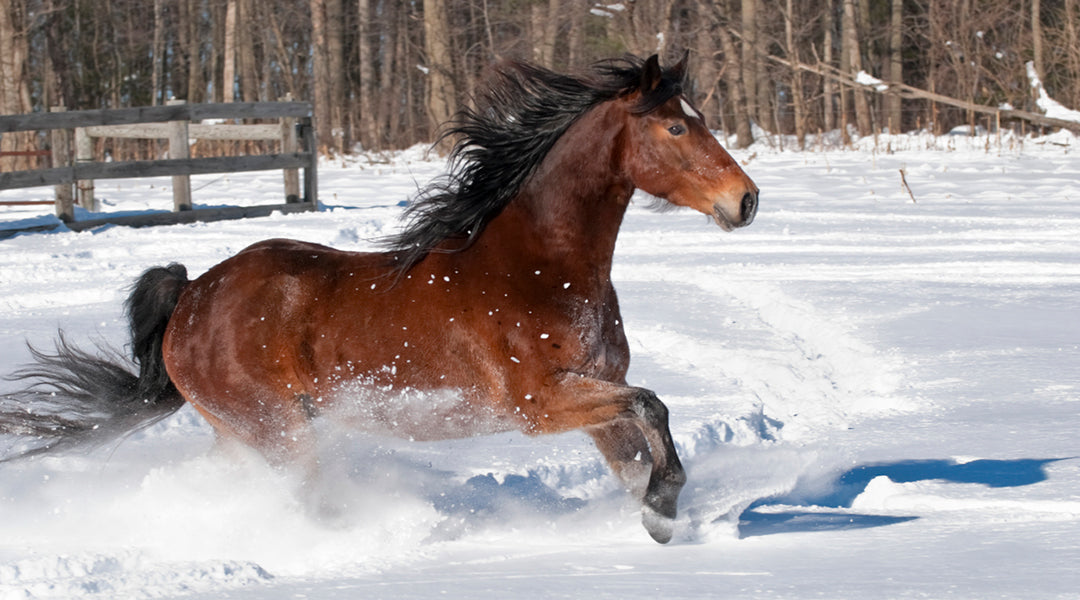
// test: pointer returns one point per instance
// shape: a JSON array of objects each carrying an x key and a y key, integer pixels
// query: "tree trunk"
[
  {"x": 751, "y": 61},
  {"x": 196, "y": 89},
  {"x": 732, "y": 72},
  {"x": 1072, "y": 45},
  {"x": 796, "y": 75},
  {"x": 854, "y": 65},
  {"x": 828, "y": 95},
  {"x": 576, "y": 38},
  {"x": 282, "y": 54},
  {"x": 322, "y": 81},
  {"x": 441, "y": 95},
  {"x": 14, "y": 84},
  {"x": 335, "y": 54},
  {"x": 228, "y": 71},
  {"x": 895, "y": 117},
  {"x": 365, "y": 45},
  {"x": 545, "y": 28},
  {"x": 245, "y": 51},
  {"x": 1037, "y": 39},
  {"x": 158, "y": 54}
]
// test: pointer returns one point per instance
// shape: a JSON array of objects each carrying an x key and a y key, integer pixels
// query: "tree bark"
[
  {"x": 335, "y": 54},
  {"x": 796, "y": 75},
  {"x": 196, "y": 87},
  {"x": 576, "y": 38},
  {"x": 854, "y": 65},
  {"x": 545, "y": 28},
  {"x": 365, "y": 45},
  {"x": 14, "y": 84},
  {"x": 441, "y": 94},
  {"x": 749, "y": 54},
  {"x": 1037, "y": 39},
  {"x": 245, "y": 50},
  {"x": 1072, "y": 45},
  {"x": 228, "y": 71},
  {"x": 732, "y": 72},
  {"x": 895, "y": 117},
  {"x": 828, "y": 95},
  {"x": 323, "y": 78},
  {"x": 158, "y": 54}
]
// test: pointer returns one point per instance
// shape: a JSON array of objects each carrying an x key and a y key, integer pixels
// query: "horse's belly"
[{"x": 436, "y": 414}]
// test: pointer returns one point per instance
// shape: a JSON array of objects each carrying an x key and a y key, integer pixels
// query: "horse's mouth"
[{"x": 721, "y": 219}]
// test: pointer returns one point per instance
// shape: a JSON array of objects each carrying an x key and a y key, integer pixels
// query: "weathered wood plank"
[
  {"x": 200, "y": 131},
  {"x": 24, "y": 179},
  {"x": 153, "y": 114},
  {"x": 154, "y": 168},
  {"x": 193, "y": 216}
]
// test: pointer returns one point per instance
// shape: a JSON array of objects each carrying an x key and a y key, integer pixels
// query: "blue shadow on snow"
[{"x": 843, "y": 491}]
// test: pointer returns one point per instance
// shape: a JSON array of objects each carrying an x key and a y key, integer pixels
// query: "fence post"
[
  {"x": 179, "y": 148},
  {"x": 61, "y": 157},
  {"x": 311, "y": 146},
  {"x": 290, "y": 145},
  {"x": 84, "y": 153}
]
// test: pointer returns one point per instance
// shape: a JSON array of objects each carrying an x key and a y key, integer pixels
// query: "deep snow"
[{"x": 874, "y": 397}]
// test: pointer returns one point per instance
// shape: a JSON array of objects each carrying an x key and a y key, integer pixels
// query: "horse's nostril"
[{"x": 748, "y": 208}]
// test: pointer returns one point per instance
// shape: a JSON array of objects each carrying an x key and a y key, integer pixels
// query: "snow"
[
  {"x": 867, "y": 79},
  {"x": 873, "y": 398},
  {"x": 1052, "y": 108}
]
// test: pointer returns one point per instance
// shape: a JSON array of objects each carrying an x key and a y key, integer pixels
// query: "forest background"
[{"x": 384, "y": 74}]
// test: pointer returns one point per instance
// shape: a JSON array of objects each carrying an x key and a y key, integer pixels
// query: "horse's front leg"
[{"x": 605, "y": 410}]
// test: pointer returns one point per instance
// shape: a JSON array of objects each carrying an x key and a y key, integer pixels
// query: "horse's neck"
[{"x": 571, "y": 208}]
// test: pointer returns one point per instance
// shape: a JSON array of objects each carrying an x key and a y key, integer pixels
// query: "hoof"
[{"x": 659, "y": 527}]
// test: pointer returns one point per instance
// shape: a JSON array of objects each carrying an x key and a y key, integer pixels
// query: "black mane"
[{"x": 501, "y": 141}]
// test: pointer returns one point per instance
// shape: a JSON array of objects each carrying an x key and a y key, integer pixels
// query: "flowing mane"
[{"x": 501, "y": 141}]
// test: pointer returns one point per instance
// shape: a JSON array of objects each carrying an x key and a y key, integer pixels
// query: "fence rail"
[{"x": 174, "y": 122}]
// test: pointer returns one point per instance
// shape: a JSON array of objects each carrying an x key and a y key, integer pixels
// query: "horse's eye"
[{"x": 676, "y": 130}]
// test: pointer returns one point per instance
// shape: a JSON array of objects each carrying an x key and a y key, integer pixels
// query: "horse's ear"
[
  {"x": 651, "y": 74},
  {"x": 679, "y": 70}
]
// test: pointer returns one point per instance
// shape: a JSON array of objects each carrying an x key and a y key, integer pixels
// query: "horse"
[{"x": 492, "y": 310}]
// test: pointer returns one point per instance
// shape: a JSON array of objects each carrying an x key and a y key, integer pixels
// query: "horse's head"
[{"x": 670, "y": 153}]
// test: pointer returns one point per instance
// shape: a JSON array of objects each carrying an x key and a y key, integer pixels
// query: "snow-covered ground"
[{"x": 874, "y": 397}]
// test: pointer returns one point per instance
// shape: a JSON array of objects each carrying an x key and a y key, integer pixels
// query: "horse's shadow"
[{"x": 842, "y": 491}]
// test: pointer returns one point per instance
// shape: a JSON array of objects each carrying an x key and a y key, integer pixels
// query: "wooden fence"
[{"x": 179, "y": 123}]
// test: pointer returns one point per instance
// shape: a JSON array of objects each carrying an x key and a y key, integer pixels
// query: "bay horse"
[{"x": 492, "y": 310}]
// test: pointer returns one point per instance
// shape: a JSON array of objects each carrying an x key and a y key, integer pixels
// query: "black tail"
[{"x": 76, "y": 398}]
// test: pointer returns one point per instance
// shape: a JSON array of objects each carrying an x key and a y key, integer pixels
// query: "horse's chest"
[{"x": 584, "y": 336}]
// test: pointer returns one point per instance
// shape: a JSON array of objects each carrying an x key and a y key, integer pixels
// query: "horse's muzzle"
[{"x": 746, "y": 212}]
